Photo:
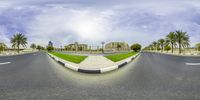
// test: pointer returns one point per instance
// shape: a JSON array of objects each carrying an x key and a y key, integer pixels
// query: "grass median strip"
[
  {"x": 72, "y": 58},
  {"x": 118, "y": 57}
]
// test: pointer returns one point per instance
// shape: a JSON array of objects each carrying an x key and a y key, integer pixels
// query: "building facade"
[
  {"x": 76, "y": 47},
  {"x": 117, "y": 46}
]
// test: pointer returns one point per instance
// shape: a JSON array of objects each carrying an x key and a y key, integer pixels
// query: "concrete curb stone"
[{"x": 93, "y": 71}]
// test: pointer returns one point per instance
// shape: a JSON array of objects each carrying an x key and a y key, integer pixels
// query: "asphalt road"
[{"x": 150, "y": 77}]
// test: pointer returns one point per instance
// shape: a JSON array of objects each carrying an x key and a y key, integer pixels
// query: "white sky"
[{"x": 94, "y": 21}]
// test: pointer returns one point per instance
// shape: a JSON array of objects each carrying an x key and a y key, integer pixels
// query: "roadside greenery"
[
  {"x": 167, "y": 48},
  {"x": 38, "y": 47},
  {"x": 198, "y": 46},
  {"x": 72, "y": 58},
  {"x": 177, "y": 39},
  {"x": 118, "y": 57},
  {"x": 17, "y": 40},
  {"x": 161, "y": 42},
  {"x": 33, "y": 46},
  {"x": 2, "y": 47},
  {"x": 136, "y": 47},
  {"x": 50, "y": 48}
]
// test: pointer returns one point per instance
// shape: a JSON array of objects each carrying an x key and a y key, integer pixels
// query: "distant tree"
[
  {"x": 155, "y": 45},
  {"x": 50, "y": 48},
  {"x": 136, "y": 47},
  {"x": 167, "y": 48},
  {"x": 39, "y": 47},
  {"x": 33, "y": 46},
  {"x": 161, "y": 42},
  {"x": 2, "y": 47},
  {"x": 42, "y": 48},
  {"x": 158, "y": 46},
  {"x": 17, "y": 40},
  {"x": 198, "y": 46}
]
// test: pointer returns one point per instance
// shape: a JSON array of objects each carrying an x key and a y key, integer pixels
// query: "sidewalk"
[{"x": 96, "y": 62}]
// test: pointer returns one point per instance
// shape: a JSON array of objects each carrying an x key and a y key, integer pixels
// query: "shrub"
[
  {"x": 50, "y": 48},
  {"x": 198, "y": 46},
  {"x": 2, "y": 47},
  {"x": 167, "y": 48},
  {"x": 136, "y": 47},
  {"x": 158, "y": 48},
  {"x": 33, "y": 46}
]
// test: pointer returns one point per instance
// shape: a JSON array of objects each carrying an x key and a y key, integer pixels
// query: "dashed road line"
[
  {"x": 4, "y": 63},
  {"x": 193, "y": 64}
]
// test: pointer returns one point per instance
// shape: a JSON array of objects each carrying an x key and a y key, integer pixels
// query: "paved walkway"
[{"x": 95, "y": 62}]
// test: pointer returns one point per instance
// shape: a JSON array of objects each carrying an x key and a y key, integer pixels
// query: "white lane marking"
[
  {"x": 193, "y": 64},
  {"x": 5, "y": 63}
]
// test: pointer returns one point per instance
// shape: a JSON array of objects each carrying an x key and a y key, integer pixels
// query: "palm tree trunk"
[
  {"x": 18, "y": 49},
  {"x": 179, "y": 48},
  {"x": 172, "y": 48}
]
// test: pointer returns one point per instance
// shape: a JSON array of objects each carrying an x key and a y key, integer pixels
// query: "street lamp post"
[{"x": 102, "y": 46}]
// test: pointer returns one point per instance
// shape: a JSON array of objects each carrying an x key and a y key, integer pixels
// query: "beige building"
[
  {"x": 117, "y": 46},
  {"x": 76, "y": 47}
]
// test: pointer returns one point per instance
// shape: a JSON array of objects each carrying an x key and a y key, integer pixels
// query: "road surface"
[{"x": 151, "y": 76}]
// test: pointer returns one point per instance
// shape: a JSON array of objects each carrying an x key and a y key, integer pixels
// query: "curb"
[{"x": 95, "y": 71}]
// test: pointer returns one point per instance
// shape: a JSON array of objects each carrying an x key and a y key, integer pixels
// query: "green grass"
[
  {"x": 72, "y": 58},
  {"x": 118, "y": 57}
]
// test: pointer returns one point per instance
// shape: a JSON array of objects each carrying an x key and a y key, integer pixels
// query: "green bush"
[
  {"x": 2, "y": 47},
  {"x": 167, "y": 48},
  {"x": 198, "y": 46},
  {"x": 136, "y": 47},
  {"x": 39, "y": 47},
  {"x": 50, "y": 48}
]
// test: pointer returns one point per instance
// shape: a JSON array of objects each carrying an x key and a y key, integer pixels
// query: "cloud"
[
  {"x": 4, "y": 37},
  {"x": 63, "y": 25},
  {"x": 92, "y": 21}
]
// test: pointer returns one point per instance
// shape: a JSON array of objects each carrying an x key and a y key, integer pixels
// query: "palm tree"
[
  {"x": 158, "y": 46},
  {"x": 155, "y": 45},
  {"x": 182, "y": 39},
  {"x": 186, "y": 42},
  {"x": 33, "y": 46},
  {"x": 172, "y": 39},
  {"x": 151, "y": 46},
  {"x": 167, "y": 42},
  {"x": 161, "y": 42},
  {"x": 17, "y": 40}
]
